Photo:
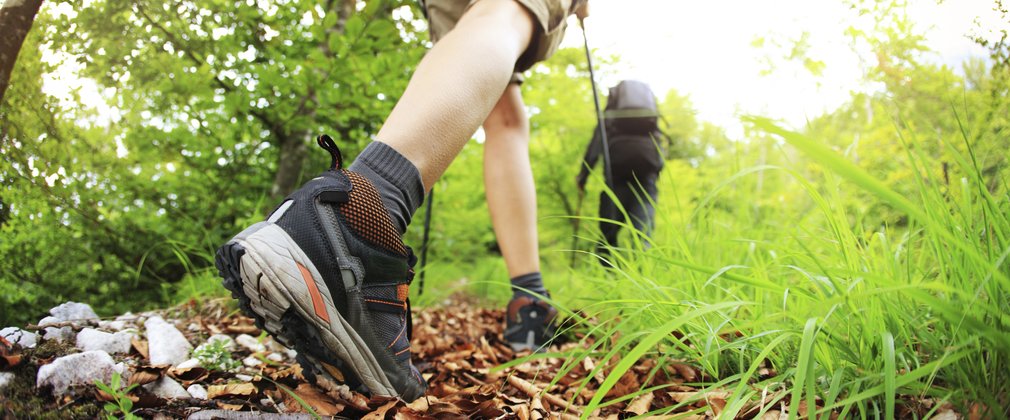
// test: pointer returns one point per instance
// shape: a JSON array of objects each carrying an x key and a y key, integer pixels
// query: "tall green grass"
[{"x": 855, "y": 318}]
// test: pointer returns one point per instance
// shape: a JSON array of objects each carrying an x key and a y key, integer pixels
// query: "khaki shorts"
[{"x": 550, "y": 26}]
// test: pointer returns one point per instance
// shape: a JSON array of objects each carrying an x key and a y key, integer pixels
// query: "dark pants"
[{"x": 636, "y": 197}]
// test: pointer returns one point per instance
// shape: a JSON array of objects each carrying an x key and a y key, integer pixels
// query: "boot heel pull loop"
[{"x": 327, "y": 143}]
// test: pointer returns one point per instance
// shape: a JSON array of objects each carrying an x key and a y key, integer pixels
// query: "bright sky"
[{"x": 703, "y": 49}]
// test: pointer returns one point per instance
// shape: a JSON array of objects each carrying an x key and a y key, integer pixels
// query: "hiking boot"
[
  {"x": 529, "y": 323},
  {"x": 328, "y": 275}
]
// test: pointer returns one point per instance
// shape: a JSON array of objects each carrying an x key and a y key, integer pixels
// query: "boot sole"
[{"x": 263, "y": 268}]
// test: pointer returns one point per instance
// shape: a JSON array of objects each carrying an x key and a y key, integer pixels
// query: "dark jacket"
[{"x": 632, "y": 156}]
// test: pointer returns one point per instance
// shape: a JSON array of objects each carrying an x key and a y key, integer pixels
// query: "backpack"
[{"x": 631, "y": 109}]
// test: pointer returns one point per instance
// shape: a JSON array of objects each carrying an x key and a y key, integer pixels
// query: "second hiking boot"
[
  {"x": 328, "y": 275},
  {"x": 529, "y": 323}
]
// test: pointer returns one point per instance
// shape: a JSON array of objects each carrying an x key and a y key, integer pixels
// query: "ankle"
[
  {"x": 396, "y": 179},
  {"x": 530, "y": 284}
]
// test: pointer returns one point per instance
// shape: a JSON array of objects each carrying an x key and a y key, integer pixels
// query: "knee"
[{"x": 507, "y": 121}]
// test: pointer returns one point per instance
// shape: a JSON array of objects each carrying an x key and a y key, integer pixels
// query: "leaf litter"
[{"x": 457, "y": 348}]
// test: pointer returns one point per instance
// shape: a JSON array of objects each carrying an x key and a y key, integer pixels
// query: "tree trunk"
[
  {"x": 293, "y": 148},
  {"x": 16, "y": 17},
  {"x": 289, "y": 166}
]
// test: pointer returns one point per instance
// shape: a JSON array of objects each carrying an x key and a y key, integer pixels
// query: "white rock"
[
  {"x": 55, "y": 333},
  {"x": 191, "y": 363},
  {"x": 127, "y": 317},
  {"x": 5, "y": 379},
  {"x": 252, "y": 362},
  {"x": 167, "y": 388},
  {"x": 276, "y": 357},
  {"x": 76, "y": 370},
  {"x": 73, "y": 311},
  {"x": 26, "y": 339},
  {"x": 244, "y": 378},
  {"x": 91, "y": 339},
  {"x": 113, "y": 325},
  {"x": 291, "y": 353},
  {"x": 197, "y": 391},
  {"x": 250, "y": 343},
  {"x": 167, "y": 346}
]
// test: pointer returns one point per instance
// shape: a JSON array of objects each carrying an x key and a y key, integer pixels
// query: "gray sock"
[
  {"x": 397, "y": 180},
  {"x": 528, "y": 284}
]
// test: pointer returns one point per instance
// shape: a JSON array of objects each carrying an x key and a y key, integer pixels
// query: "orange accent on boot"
[
  {"x": 317, "y": 298},
  {"x": 402, "y": 292}
]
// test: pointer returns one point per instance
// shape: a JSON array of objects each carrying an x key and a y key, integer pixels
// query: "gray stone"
[
  {"x": 191, "y": 363},
  {"x": 73, "y": 311},
  {"x": 251, "y": 362},
  {"x": 250, "y": 343},
  {"x": 167, "y": 346},
  {"x": 5, "y": 379},
  {"x": 91, "y": 339},
  {"x": 80, "y": 369},
  {"x": 127, "y": 317},
  {"x": 197, "y": 391},
  {"x": 113, "y": 325},
  {"x": 26, "y": 339},
  {"x": 54, "y": 332},
  {"x": 167, "y": 388}
]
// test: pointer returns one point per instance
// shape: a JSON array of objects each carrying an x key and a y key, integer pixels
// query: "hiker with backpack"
[
  {"x": 632, "y": 133},
  {"x": 328, "y": 273}
]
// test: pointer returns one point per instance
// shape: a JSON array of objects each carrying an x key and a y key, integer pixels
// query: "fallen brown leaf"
[
  {"x": 321, "y": 403},
  {"x": 688, "y": 372},
  {"x": 10, "y": 357},
  {"x": 640, "y": 405},
  {"x": 141, "y": 347},
  {"x": 192, "y": 374},
  {"x": 143, "y": 375},
  {"x": 231, "y": 390},
  {"x": 380, "y": 413}
]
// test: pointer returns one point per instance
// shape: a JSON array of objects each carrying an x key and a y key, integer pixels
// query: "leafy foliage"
[
  {"x": 215, "y": 356},
  {"x": 197, "y": 114},
  {"x": 121, "y": 402}
]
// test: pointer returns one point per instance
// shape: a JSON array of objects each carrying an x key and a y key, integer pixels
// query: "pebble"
[
  {"x": 5, "y": 379},
  {"x": 197, "y": 391},
  {"x": 113, "y": 325},
  {"x": 252, "y": 362},
  {"x": 73, "y": 311},
  {"x": 191, "y": 363},
  {"x": 167, "y": 345},
  {"x": 55, "y": 333},
  {"x": 26, "y": 339},
  {"x": 167, "y": 388},
  {"x": 67, "y": 372},
  {"x": 250, "y": 343},
  {"x": 91, "y": 339}
]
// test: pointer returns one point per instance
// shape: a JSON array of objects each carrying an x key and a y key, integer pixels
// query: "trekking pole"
[
  {"x": 424, "y": 240},
  {"x": 578, "y": 218},
  {"x": 607, "y": 176}
]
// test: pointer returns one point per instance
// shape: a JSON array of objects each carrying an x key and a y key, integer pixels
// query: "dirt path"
[{"x": 456, "y": 346}]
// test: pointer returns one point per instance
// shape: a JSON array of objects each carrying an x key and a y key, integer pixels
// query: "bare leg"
[
  {"x": 508, "y": 181},
  {"x": 456, "y": 85}
]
